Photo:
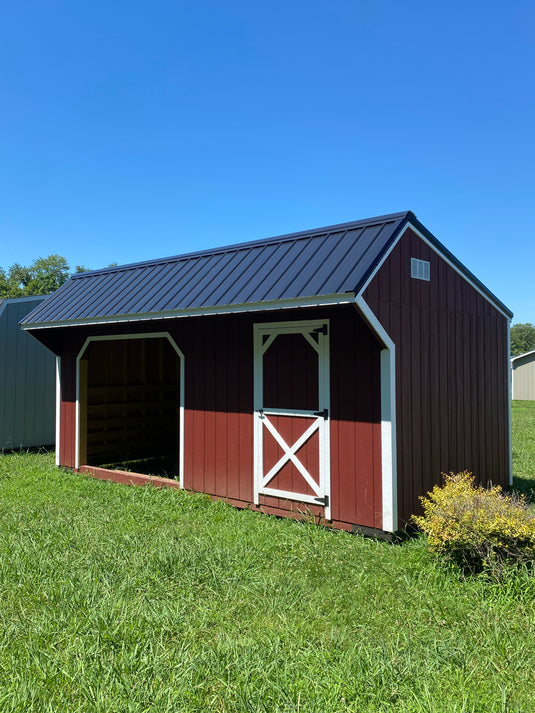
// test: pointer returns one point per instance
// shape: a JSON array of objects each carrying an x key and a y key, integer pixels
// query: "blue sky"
[{"x": 140, "y": 129}]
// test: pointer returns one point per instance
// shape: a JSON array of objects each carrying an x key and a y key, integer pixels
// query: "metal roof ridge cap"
[{"x": 390, "y": 217}]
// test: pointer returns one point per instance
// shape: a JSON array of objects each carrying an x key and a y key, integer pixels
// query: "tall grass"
[{"x": 118, "y": 599}]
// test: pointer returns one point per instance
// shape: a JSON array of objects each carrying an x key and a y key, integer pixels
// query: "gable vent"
[{"x": 420, "y": 269}]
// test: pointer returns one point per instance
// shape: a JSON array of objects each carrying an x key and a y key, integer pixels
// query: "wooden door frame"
[{"x": 260, "y": 329}]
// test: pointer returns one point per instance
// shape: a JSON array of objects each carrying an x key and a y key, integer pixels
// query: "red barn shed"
[{"x": 338, "y": 371}]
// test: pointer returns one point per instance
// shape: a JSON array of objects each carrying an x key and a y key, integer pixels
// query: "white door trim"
[{"x": 320, "y": 424}]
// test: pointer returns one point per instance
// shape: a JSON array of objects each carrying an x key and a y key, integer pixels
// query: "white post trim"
[
  {"x": 181, "y": 405},
  {"x": 388, "y": 418},
  {"x": 58, "y": 410},
  {"x": 77, "y": 409},
  {"x": 509, "y": 403},
  {"x": 258, "y": 372}
]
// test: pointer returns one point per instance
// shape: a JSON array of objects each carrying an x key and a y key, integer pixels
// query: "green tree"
[
  {"x": 522, "y": 338},
  {"x": 4, "y": 286},
  {"x": 42, "y": 277}
]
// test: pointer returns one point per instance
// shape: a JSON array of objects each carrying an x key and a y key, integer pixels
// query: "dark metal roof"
[{"x": 318, "y": 263}]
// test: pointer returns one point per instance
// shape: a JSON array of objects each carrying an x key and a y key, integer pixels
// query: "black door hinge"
[
  {"x": 321, "y": 330},
  {"x": 324, "y": 413},
  {"x": 323, "y": 501}
]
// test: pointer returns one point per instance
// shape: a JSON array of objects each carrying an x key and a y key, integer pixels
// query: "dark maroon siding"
[
  {"x": 451, "y": 373},
  {"x": 356, "y": 421},
  {"x": 218, "y": 428},
  {"x": 218, "y": 422}
]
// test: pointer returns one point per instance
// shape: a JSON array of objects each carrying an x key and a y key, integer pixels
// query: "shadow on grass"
[
  {"x": 525, "y": 486},
  {"x": 22, "y": 451},
  {"x": 164, "y": 466}
]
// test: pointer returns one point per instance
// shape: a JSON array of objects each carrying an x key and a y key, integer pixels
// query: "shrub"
[{"x": 478, "y": 529}]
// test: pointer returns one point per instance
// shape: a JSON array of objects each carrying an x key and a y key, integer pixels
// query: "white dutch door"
[{"x": 291, "y": 394}]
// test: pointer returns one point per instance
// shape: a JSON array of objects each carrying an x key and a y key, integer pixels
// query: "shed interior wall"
[{"x": 129, "y": 405}]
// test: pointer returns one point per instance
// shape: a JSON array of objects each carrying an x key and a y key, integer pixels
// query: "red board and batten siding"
[
  {"x": 218, "y": 420},
  {"x": 219, "y": 403},
  {"x": 450, "y": 342}
]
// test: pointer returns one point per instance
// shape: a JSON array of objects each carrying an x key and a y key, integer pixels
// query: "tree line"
[{"x": 42, "y": 277}]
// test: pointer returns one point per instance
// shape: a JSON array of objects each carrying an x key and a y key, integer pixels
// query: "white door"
[{"x": 291, "y": 400}]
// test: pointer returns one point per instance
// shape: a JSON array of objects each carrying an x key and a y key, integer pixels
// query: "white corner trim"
[
  {"x": 388, "y": 418},
  {"x": 181, "y": 407},
  {"x": 509, "y": 404},
  {"x": 58, "y": 410}
]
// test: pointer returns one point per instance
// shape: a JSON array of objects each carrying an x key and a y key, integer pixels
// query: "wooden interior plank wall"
[{"x": 132, "y": 400}]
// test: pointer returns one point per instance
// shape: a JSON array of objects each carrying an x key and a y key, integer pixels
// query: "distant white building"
[{"x": 523, "y": 376}]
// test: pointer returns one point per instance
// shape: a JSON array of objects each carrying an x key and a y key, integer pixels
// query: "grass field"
[
  {"x": 118, "y": 599},
  {"x": 523, "y": 417}
]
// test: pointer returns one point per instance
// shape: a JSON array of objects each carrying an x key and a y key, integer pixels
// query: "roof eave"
[
  {"x": 311, "y": 301},
  {"x": 520, "y": 356}
]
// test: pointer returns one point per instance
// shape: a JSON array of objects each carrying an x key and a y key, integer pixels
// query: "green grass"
[
  {"x": 119, "y": 599},
  {"x": 523, "y": 418}
]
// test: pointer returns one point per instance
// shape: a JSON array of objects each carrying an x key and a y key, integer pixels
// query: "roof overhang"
[
  {"x": 522, "y": 356},
  {"x": 313, "y": 301}
]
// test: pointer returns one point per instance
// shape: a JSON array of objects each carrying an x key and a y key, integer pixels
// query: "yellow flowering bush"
[{"x": 477, "y": 528}]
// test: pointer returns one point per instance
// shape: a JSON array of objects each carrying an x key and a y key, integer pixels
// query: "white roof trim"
[
  {"x": 520, "y": 356},
  {"x": 435, "y": 249},
  {"x": 388, "y": 418},
  {"x": 314, "y": 301}
]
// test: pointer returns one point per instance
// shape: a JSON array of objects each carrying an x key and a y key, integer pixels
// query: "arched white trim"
[{"x": 118, "y": 337}]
